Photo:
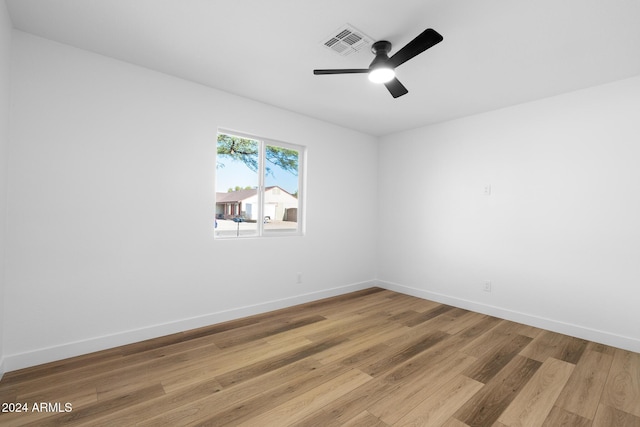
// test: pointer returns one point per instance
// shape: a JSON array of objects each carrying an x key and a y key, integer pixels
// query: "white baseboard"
[
  {"x": 573, "y": 330},
  {"x": 44, "y": 355}
]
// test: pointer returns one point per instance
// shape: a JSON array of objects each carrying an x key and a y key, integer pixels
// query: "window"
[{"x": 258, "y": 187}]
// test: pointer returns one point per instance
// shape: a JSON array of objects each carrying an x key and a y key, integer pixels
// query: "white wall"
[
  {"x": 5, "y": 56},
  {"x": 559, "y": 236},
  {"x": 5, "y": 48},
  {"x": 111, "y": 207}
]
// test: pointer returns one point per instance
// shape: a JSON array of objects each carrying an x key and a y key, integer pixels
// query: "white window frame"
[{"x": 302, "y": 158}]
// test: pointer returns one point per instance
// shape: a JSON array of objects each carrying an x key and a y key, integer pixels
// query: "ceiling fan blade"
[
  {"x": 422, "y": 42},
  {"x": 396, "y": 88},
  {"x": 343, "y": 71}
]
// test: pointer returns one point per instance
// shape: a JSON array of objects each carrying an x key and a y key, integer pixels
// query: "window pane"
[
  {"x": 237, "y": 208},
  {"x": 281, "y": 202}
]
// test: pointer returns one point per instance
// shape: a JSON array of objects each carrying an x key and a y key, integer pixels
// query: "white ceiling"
[{"x": 495, "y": 53}]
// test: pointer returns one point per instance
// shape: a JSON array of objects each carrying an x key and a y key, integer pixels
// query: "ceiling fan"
[{"x": 382, "y": 68}]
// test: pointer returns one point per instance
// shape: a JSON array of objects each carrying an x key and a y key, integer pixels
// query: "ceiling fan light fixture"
[{"x": 381, "y": 74}]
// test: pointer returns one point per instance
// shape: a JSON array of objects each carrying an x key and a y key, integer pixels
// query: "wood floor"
[{"x": 370, "y": 358}]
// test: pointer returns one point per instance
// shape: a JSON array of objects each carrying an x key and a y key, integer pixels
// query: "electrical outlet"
[
  {"x": 486, "y": 286},
  {"x": 299, "y": 278},
  {"x": 487, "y": 189}
]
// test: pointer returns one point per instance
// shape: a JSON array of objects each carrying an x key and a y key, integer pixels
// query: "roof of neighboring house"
[
  {"x": 235, "y": 196},
  {"x": 240, "y": 195}
]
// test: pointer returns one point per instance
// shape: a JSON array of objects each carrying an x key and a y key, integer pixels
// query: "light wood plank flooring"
[{"x": 370, "y": 358}]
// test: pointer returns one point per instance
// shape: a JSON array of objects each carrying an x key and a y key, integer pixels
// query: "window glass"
[
  {"x": 281, "y": 189},
  {"x": 236, "y": 186},
  {"x": 258, "y": 187}
]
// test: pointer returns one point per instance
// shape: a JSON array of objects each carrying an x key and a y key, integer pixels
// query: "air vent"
[{"x": 347, "y": 40}]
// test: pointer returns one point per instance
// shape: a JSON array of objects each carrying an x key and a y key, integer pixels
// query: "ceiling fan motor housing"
[
  {"x": 381, "y": 46},
  {"x": 381, "y": 50}
]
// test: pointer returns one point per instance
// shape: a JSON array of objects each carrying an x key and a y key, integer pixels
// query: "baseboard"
[
  {"x": 44, "y": 355},
  {"x": 573, "y": 330},
  {"x": 2, "y": 371}
]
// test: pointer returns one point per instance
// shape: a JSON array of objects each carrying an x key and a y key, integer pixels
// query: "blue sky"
[{"x": 237, "y": 173}]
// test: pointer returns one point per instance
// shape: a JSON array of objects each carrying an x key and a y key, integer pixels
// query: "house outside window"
[{"x": 258, "y": 187}]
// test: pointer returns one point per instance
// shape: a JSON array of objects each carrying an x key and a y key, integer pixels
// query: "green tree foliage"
[
  {"x": 283, "y": 157},
  {"x": 238, "y": 188},
  {"x": 238, "y": 149},
  {"x": 246, "y": 151}
]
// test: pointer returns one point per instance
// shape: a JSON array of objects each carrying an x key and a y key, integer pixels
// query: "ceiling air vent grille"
[{"x": 347, "y": 40}]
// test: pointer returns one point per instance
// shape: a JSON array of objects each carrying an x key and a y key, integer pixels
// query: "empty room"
[{"x": 360, "y": 213}]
